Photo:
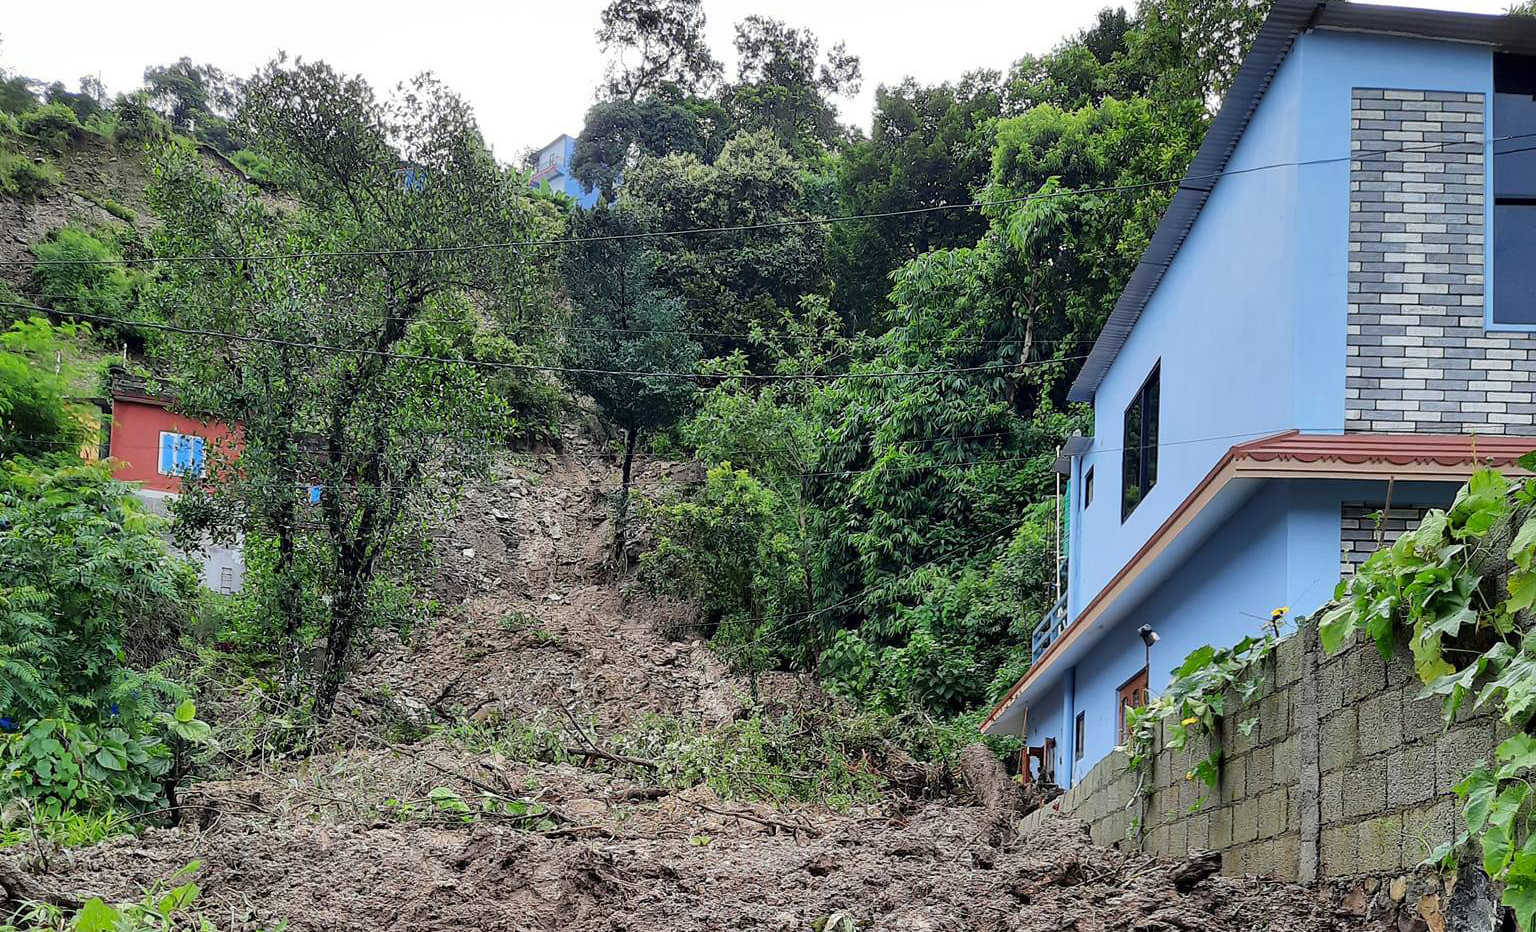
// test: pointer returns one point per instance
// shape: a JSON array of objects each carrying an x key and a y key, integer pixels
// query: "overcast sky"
[{"x": 528, "y": 68}]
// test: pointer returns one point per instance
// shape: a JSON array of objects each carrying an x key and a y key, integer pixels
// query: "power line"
[
  {"x": 532, "y": 367},
  {"x": 1359, "y": 155}
]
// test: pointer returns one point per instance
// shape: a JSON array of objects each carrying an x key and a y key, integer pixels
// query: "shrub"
[
  {"x": 254, "y": 164},
  {"x": 81, "y": 730},
  {"x": 162, "y": 908},
  {"x": 21, "y": 177},
  {"x": 54, "y": 125},
  {"x": 137, "y": 123},
  {"x": 116, "y": 208},
  {"x": 35, "y": 417},
  {"x": 84, "y": 280}
]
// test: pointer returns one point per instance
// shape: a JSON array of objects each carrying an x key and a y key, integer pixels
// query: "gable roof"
[{"x": 1287, "y": 19}]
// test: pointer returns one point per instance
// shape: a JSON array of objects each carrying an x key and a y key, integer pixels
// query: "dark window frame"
[
  {"x": 1138, "y": 457},
  {"x": 1514, "y": 194},
  {"x": 1079, "y": 734},
  {"x": 1088, "y": 488}
]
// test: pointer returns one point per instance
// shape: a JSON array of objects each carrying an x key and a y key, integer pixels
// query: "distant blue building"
[
  {"x": 1335, "y": 321},
  {"x": 552, "y": 166}
]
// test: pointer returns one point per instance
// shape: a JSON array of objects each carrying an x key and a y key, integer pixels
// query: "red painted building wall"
[{"x": 135, "y": 443}]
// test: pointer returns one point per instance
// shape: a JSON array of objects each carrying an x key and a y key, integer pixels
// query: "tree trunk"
[
  {"x": 621, "y": 520},
  {"x": 345, "y": 612},
  {"x": 289, "y": 601}
]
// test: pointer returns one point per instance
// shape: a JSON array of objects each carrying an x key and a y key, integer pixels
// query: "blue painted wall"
[
  {"x": 1249, "y": 321},
  {"x": 1280, "y": 548},
  {"x": 564, "y": 150}
]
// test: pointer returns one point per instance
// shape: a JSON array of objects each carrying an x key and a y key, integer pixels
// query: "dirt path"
[{"x": 533, "y": 627}]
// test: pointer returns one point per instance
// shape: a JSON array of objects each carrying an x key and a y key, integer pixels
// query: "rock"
[
  {"x": 1397, "y": 889},
  {"x": 469, "y": 552},
  {"x": 1197, "y": 867}
]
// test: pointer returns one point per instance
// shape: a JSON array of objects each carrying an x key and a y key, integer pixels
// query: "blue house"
[
  {"x": 1336, "y": 319},
  {"x": 552, "y": 166}
]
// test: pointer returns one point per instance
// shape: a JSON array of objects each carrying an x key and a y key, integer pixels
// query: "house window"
[
  {"x": 1133, "y": 695},
  {"x": 180, "y": 454},
  {"x": 1088, "y": 487},
  {"x": 1514, "y": 190},
  {"x": 1140, "y": 447},
  {"x": 1079, "y": 730}
]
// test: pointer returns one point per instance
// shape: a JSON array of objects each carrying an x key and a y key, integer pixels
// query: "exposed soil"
[{"x": 534, "y": 626}]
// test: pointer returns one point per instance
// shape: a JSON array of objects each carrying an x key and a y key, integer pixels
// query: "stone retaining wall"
[{"x": 1344, "y": 773}]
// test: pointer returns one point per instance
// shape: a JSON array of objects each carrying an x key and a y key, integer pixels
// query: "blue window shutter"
[
  {"x": 314, "y": 495},
  {"x": 197, "y": 456},
  {"x": 167, "y": 454},
  {"x": 183, "y": 448}
]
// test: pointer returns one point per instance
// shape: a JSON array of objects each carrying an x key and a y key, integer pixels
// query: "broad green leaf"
[
  {"x": 95, "y": 916},
  {"x": 1516, "y": 753},
  {"x": 1520, "y": 888},
  {"x": 186, "y": 711},
  {"x": 1476, "y": 792}
]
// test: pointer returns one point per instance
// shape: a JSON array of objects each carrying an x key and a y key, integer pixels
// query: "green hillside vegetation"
[{"x": 876, "y": 404}]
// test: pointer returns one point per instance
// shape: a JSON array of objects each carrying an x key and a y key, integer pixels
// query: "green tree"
[
  {"x": 928, "y": 147},
  {"x": 625, "y": 324},
  {"x": 361, "y": 371},
  {"x": 36, "y": 417},
  {"x": 197, "y": 100},
  {"x": 655, "y": 44},
  {"x": 784, "y": 85},
  {"x": 731, "y": 279}
]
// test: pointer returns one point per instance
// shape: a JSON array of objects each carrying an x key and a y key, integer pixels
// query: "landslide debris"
[{"x": 536, "y": 628}]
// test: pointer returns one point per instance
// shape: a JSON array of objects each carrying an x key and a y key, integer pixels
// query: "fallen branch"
[
  {"x": 792, "y": 827},
  {"x": 610, "y": 756}
]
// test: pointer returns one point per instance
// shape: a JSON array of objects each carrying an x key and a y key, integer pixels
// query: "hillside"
[{"x": 491, "y": 773}]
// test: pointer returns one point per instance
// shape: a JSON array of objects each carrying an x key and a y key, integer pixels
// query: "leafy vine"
[{"x": 1460, "y": 591}]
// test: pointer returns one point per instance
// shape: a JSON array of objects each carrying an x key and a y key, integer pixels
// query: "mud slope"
[{"x": 533, "y": 627}]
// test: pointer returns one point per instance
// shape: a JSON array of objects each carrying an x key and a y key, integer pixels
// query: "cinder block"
[
  {"x": 1198, "y": 831},
  {"x": 1272, "y": 809},
  {"x": 1337, "y": 743},
  {"x": 1261, "y": 770},
  {"x": 1381, "y": 722},
  {"x": 1234, "y": 774},
  {"x": 1338, "y": 851},
  {"x": 1459, "y": 751},
  {"x": 1234, "y": 860},
  {"x": 1274, "y": 717},
  {"x": 1245, "y": 821},
  {"x": 1285, "y": 764},
  {"x": 1331, "y": 797},
  {"x": 1365, "y": 788},
  {"x": 1410, "y": 775},
  {"x": 1381, "y": 844}
]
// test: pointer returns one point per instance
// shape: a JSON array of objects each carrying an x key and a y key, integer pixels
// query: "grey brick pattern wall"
[
  {"x": 1357, "y": 530},
  {"x": 1378, "y": 777},
  {"x": 1419, "y": 357}
]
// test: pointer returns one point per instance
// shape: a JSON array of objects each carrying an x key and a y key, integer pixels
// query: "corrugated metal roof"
[
  {"x": 1387, "y": 449},
  {"x": 1287, "y": 19}
]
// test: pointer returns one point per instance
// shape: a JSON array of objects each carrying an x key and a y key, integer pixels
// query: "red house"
[{"x": 155, "y": 447}]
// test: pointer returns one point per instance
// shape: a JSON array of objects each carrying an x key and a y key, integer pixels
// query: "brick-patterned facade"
[
  {"x": 1420, "y": 356},
  {"x": 1358, "y": 527}
]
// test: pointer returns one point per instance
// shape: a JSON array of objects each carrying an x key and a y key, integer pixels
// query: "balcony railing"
[{"x": 1050, "y": 628}]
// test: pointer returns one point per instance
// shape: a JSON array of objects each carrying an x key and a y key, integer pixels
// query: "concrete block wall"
[
  {"x": 1344, "y": 773},
  {"x": 1420, "y": 357},
  {"x": 1358, "y": 530}
]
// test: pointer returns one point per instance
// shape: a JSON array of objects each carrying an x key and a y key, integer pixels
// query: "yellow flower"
[
  {"x": 1279, "y": 613},
  {"x": 1189, "y": 775},
  {"x": 1190, "y": 721}
]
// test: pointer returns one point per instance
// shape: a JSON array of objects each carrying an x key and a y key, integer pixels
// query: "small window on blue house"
[
  {"x": 1079, "y": 733},
  {"x": 1088, "y": 487},
  {"x": 1514, "y": 190},
  {"x": 180, "y": 454},
  {"x": 1140, "y": 444}
]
